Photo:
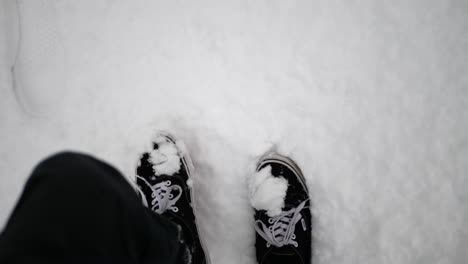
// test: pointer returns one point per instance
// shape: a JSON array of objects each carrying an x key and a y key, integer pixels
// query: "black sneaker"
[
  {"x": 285, "y": 238},
  {"x": 163, "y": 178}
]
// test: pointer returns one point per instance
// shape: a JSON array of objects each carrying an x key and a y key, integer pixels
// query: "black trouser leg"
[{"x": 76, "y": 209}]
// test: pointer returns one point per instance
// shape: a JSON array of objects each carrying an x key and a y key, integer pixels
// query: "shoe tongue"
[
  {"x": 288, "y": 207},
  {"x": 175, "y": 179},
  {"x": 158, "y": 179}
]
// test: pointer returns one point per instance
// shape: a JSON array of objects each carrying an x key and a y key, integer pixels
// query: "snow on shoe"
[
  {"x": 165, "y": 158},
  {"x": 267, "y": 192}
]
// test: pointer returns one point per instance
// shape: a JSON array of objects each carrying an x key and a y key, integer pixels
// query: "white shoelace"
[
  {"x": 281, "y": 229},
  {"x": 162, "y": 198}
]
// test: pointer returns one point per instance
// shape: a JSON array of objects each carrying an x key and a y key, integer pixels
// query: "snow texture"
[
  {"x": 165, "y": 159},
  {"x": 368, "y": 97},
  {"x": 267, "y": 192},
  {"x": 31, "y": 71}
]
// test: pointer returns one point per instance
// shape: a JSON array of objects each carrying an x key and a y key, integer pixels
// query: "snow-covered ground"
[{"x": 369, "y": 97}]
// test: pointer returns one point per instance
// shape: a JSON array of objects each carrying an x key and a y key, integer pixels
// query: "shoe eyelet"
[{"x": 270, "y": 220}]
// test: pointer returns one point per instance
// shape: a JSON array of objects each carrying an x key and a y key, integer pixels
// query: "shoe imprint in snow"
[{"x": 39, "y": 69}]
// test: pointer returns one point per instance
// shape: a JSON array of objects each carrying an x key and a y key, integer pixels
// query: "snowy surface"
[
  {"x": 369, "y": 97},
  {"x": 267, "y": 192}
]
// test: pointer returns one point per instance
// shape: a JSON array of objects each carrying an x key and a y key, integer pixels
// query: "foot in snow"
[
  {"x": 280, "y": 198},
  {"x": 163, "y": 178},
  {"x": 39, "y": 63}
]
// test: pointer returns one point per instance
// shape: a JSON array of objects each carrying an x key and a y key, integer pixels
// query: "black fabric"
[{"x": 76, "y": 209}]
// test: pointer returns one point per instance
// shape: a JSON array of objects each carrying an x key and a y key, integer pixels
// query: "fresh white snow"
[
  {"x": 166, "y": 158},
  {"x": 368, "y": 97},
  {"x": 267, "y": 192}
]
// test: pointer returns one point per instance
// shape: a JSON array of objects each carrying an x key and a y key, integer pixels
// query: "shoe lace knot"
[
  {"x": 280, "y": 229},
  {"x": 162, "y": 196}
]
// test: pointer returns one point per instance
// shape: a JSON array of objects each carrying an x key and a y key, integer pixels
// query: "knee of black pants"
[
  {"x": 76, "y": 205},
  {"x": 78, "y": 171},
  {"x": 74, "y": 167},
  {"x": 70, "y": 181}
]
